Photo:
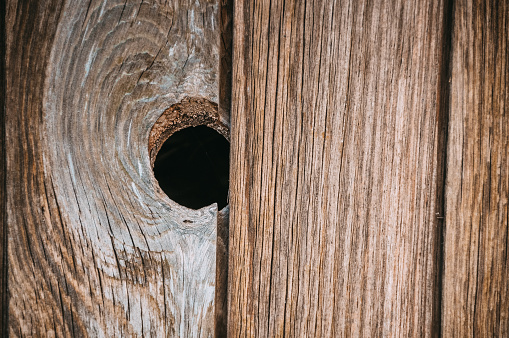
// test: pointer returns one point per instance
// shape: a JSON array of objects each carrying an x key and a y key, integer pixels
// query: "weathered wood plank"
[
  {"x": 95, "y": 247},
  {"x": 25, "y": 74},
  {"x": 336, "y": 151},
  {"x": 3, "y": 196},
  {"x": 225, "y": 87},
  {"x": 476, "y": 276}
]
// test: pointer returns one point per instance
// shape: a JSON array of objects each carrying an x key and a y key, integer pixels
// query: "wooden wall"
[
  {"x": 358, "y": 127},
  {"x": 369, "y": 175}
]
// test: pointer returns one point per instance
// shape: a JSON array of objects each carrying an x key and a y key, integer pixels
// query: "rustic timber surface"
[
  {"x": 476, "y": 274},
  {"x": 4, "y": 318},
  {"x": 335, "y": 145},
  {"x": 369, "y": 168},
  {"x": 95, "y": 247},
  {"x": 358, "y": 127}
]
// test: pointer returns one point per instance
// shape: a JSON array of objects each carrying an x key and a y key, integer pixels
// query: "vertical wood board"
[
  {"x": 337, "y": 158},
  {"x": 476, "y": 274},
  {"x": 95, "y": 247}
]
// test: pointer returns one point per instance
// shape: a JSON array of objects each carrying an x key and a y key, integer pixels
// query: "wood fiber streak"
[
  {"x": 335, "y": 146},
  {"x": 476, "y": 275},
  {"x": 95, "y": 247}
]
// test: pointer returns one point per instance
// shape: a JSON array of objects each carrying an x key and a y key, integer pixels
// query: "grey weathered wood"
[
  {"x": 336, "y": 151},
  {"x": 95, "y": 247},
  {"x": 340, "y": 120},
  {"x": 476, "y": 274}
]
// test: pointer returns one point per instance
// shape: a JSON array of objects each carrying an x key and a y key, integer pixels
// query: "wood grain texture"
[
  {"x": 224, "y": 106},
  {"x": 476, "y": 275},
  {"x": 4, "y": 320},
  {"x": 335, "y": 167},
  {"x": 95, "y": 247}
]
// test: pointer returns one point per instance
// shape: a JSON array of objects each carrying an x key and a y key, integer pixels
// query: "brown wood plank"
[
  {"x": 25, "y": 74},
  {"x": 476, "y": 275},
  {"x": 225, "y": 90},
  {"x": 4, "y": 318},
  {"x": 95, "y": 247},
  {"x": 335, "y": 168}
]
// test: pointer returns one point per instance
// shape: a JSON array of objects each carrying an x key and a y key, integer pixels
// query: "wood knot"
[{"x": 189, "y": 152}]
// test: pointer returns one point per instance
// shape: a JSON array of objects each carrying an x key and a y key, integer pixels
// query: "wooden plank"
[
  {"x": 336, "y": 150},
  {"x": 4, "y": 318},
  {"x": 95, "y": 247},
  {"x": 476, "y": 275},
  {"x": 225, "y": 89}
]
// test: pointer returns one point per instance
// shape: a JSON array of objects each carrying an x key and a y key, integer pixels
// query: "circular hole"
[{"x": 192, "y": 167}]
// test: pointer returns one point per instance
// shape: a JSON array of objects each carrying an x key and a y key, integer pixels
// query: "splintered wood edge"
[{"x": 190, "y": 112}]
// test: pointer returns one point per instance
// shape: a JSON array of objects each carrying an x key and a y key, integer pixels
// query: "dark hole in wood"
[{"x": 192, "y": 167}]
